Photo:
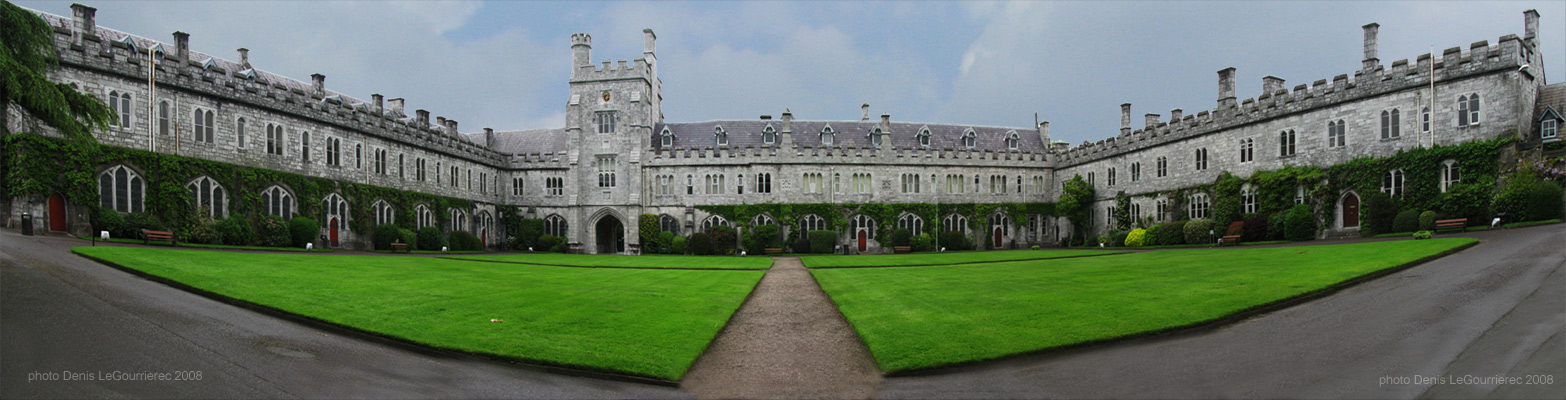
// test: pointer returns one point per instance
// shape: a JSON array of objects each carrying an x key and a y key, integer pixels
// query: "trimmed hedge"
[
  {"x": 1377, "y": 212},
  {"x": 1427, "y": 221},
  {"x": 1171, "y": 233},
  {"x": 235, "y": 230},
  {"x": 923, "y": 242},
  {"x": 1200, "y": 231},
  {"x": 700, "y": 244},
  {"x": 1300, "y": 224},
  {"x": 302, "y": 230},
  {"x": 955, "y": 240},
  {"x": 464, "y": 241},
  {"x": 902, "y": 237},
  {"x": 677, "y": 245},
  {"x": 385, "y": 235},
  {"x": 430, "y": 239},
  {"x": 722, "y": 239},
  {"x": 1255, "y": 229},
  {"x": 408, "y": 237},
  {"x": 272, "y": 231},
  {"x": 822, "y": 241},
  {"x": 1136, "y": 237},
  {"x": 1406, "y": 221}
]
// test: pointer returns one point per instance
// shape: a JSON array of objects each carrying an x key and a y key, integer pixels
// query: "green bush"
[
  {"x": 1300, "y": 224},
  {"x": 1256, "y": 229},
  {"x": 1427, "y": 221},
  {"x": 273, "y": 232},
  {"x": 1544, "y": 203},
  {"x": 201, "y": 230},
  {"x": 105, "y": 219},
  {"x": 1275, "y": 225},
  {"x": 1422, "y": 234},
  {"x": 666, "y": 243},
  {"x": 1469, "y": 200},
  {"x": 135, "y": 222},
  {"x": 464, "y": 241},
  {"x": 800, "y": 245},
  {"x": 1377, "y": 213},
  {"x": 902, "y": 237},
  {"x": 1151, "y": 237},
  {"x": 1200, "y": 231},
  {"x": 1406, "y": 221},
  {"x": 430, "y": 239},
  {"x": 235, "y": 230},
  {"x": 408, "y": 237},
  {"x": 1171, "y": 233},
  {"x": 543, "y": 243},
  {"x": 700, "y": 244},
  {"x": 822, "y": 241},
  {"x": 761, "y": 237},
  {"x": 385, "y": 235},
  {"x": 923, "y": 242},
  {"x": 676, "y": 245},
  {"x": 723, "y": 238},
  {"x": 955, "y": 240},
  {"x": 648, "y": 229},
  {"x": 528, "y": 230},
  {"x": 1118, "y": 238},
  {"x": 302, "y": 230},
  {"x": 1135, "y": 238}
]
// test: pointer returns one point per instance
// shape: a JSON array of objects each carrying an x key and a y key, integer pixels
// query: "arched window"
[
  {"x": 383, "y": 213},
  {"x": 1003, "y": 222},
  {"x": 811, "y": 222},
  {"x": 121, "y": 189},
  {"x": 1285, "y": 143},
  {"x": 334, "y": 153},
  {"x": 924, "y": 137},
  {"x": 875, "y": 136},
  {"x": 1467, "y": 110},
  {"x": 277, "y": 201},
  {"x": 1392, "y": 182},
  {"x": 554, "y": 225},
  {"x": 720, "y": 137},
  {"x": 1248, "y": 198},
  {"x": 1389, "y": 124},
  {"x": 333, "y": 206},
  {"x": 1450, "y": 175},
  {"x": 163, "y": 121},
  {"x": 459, "y": 219},
  {"x": 120, "y": 104},
  {"x": 1012, "y": 140},
  {"x": 1136, "y": 172},
  {"x": 970, "y": 139},
  {"x": 828, "y": 136},
  {"x": 201, "y": 123},
  {"x": 1201, "y": 159},
  {"x": 1199, "y": 205},
  {"x": 1163, "y": 167},
  {"x": 769, "y": 135},
  {"x": 1424, "y": 120},
  {"x": 762, "y": 219},
  {"x": 274, "y": 139},
  {"x": 486, "y": 224},
  {"x": 912, "y": 223},
  {"x": 1111, "y": 176},
  {"x": 716, "y": 220},
  {"x": 207, "y": 197},
  {"x": 669, "y": 224},
  {"x": 423, "y": 216},
  {"x": 667, "y": 138},
  {"x": 1090, "y": 180},
  {"x": 955, "y": 223},
  {"x": 862, "y": 221}
]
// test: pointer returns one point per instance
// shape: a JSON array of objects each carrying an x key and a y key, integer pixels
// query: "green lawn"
[
  {"x": 948, "y": 258},
  {"x": 619, "y": 261},
  {"x": 635, "y": 321},
  {"x": 211, "y": 246},
  {"x": 914, "y": 318}
]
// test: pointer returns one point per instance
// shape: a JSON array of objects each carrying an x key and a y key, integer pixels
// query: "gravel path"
[{"x": 786, "y": 341}]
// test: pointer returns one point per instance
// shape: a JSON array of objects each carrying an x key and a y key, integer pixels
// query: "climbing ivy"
[{"x": 885, "y": 215}]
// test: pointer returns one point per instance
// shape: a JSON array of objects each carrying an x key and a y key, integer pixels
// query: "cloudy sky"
[{"x": 505, "y": 64}]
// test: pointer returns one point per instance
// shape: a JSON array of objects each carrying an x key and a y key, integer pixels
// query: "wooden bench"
[
  {"x": 902, "y": 249},
  {"x": 1460, "y": 223},
  {"x": 400, "y": 246},
  {"x": 773, "y": 250},
  {"x": 1235, "y": 232},
  {"x": 150, "y": 236}
]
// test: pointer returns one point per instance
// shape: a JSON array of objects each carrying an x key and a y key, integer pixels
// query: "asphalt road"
[
  {"x": 1497, "y": 309},
  {"x": 60, "y": 312}
]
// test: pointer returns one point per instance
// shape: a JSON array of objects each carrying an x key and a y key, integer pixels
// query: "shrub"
[
  {"x": 464, "y": 241},
  {"x": 1377, "y": 213},
  {"x": 761, "y": 237},
  {"x": 800, "y": 245},
  {"x": 235, "y": 230},
  {"x": 955, "y": 240},
  {"x": 1151, "y": 237},
  {"x": 902, "y": 237},
  {"x": 1275, "y": 225},
  {"x": 1427, "y": 221},
  {"x": 135, "y": 222},
  {"x": 1544, "y": 202},
  {"x": 543, "y": 243},
  {"x": 722, "y": 239},
  {"x": 430, "y": 238},
  {"x": 1133, "y": 239},
  {"x": 923, "y": 242},
  {"x": 1255, "y": 229},
  {"x": 699, "y": 244},
  {"x": 822, "y": 241},
  {"x": 408, "y": 237},
  {"x": 201, "y": 231},
  {"x": 1200, "y": 231},
  {"x": 1118, "y": 238},
  {"x": 1406, "y": 221},
  {"x": 385, "y": 235},
  {"x": 1469, "y": 200},
  {"x": 676, "y": 245},
  {"x": 1300, "y": 224},
  {"x": 273, "y": 232},
  {"x": 1422, "y": 234},
  {"x": 1103, "y": 240},
  {"x": 1171, "y": 233},
  {"x": 528, "y": 232},
  {"x": 666, "y": 243},
  {"x": 302, "y": 230},
  {"x": 105, "y": 219}
]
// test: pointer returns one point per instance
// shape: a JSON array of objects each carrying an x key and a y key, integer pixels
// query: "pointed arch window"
[
  {"x": 924, "y": 137},
  {"x": 1468, "y": 110},
  {"x": 121, "y": 189},
  {"x": 666, "y": 138},
  {"x": 1247, "y": 150},
  {"x": 1163, "y": 166},
  {"x": 716, "y": 220},
  {"x": 955, "y": 223},
  {"x": 458, "y": 219},
  {"x": 423, "y": 217},
  {"x": 208, "y": 197},
  {"x": 864, "y": 222},
  {"x": 762, "y": 219},
  {"x": 811, "y": 222},
  {"x": 383, "y": 213},
  {"x": 1451, "y": 175},
  {"x": 1424, "y": 120},
  {"x": 277, "y": 201},
  {"x": 1248, "y": 198},
  {"x": 1199, "y": 205},
  {"x": 201, "y": 121},
  {"x": 334, "y": 207},
  {"x": 720, "y": 137},
  {"x": 1392, "y": 182},
  {"x": 163, "y": 121},
  {"x": 1012, "y": 140},
  {"x": 769, "y": 136},
  {"x": 912, "y": 223},
  {"x": 970, "y": 139},
  {"x": 669, "y": 224},
  {"x": 555, "y": 225},
  {"x": 1285, "y": 143},
  {"x": 828, "y": 136}
]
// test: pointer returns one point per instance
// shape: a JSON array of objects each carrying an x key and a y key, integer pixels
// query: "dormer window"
[
  {"x": 720, "y": 137},
  {"x": 768, "y": 135},
  {"x": 970, "y": 139},
  {"x": 827, "y": 136},
  {"x": 667, "y": 138},
  {"x": 1011, "y": 140},
  {"x": 924, "y": 137},
  {"x": 875, "y": 136}
]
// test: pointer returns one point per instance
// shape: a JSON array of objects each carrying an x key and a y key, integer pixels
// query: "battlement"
[{"x": 635, "y": 69}]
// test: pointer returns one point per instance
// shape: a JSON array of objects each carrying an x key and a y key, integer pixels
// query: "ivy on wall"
[
  {"x": 39, "y": 165},
  {"x": 885, "y": 215}
]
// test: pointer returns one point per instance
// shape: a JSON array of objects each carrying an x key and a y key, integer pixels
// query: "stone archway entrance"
[
  {"x": 332, "y": 232},
  {"x": 1350, "y": 214},
  {"x": 57, "y": 212},
  {"x": 611, "y": 235}
]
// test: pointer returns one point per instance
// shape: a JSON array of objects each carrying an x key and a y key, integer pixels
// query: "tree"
[
  {"x": 1076, "y": 204},
  {"x": 27, "y": 54}
]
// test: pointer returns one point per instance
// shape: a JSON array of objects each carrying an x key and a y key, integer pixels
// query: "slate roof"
[
  {"x": 525, "y": 141},
  {"x": 849, "y": 133},
  {"x": 1552, "y": 96}
]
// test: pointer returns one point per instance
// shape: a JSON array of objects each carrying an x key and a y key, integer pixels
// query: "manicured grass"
[
  {"x": 214, "y": 246},
  {"x": 619, "y": 261},
  {"x": 947, "y": 258},
  {"x": 914, "y": 318},
  {"x": 432, "y": 251},
  {"x": 635, "y": 321}
]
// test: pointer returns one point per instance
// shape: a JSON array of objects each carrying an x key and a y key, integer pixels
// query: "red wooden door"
[
  {"x": 1350, "y": 211},
  {"x": 863, "y": 237},
  {"x": 484, "y": 238},
  {"x": 332, "y": 232},
  {"x": 997, "y": 242},
  {"x": 56, "y": 212}
]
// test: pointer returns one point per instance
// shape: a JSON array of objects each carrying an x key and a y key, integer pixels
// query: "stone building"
[{"x": 616, "y": 157}]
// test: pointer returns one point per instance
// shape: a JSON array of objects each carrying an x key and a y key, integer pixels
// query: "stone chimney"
[
  {"x": 1226, "y": 88},
  {"x": 1371, "y": 62},
  {"x": 451, "y": 126},
  {"x": 1125, "y": 119},
  {"x": 86, "y": 22},
  {"x": 1271, "y": 84},
  {"x": 649, "y": 44},
  {"x": 886, "y": 132},
  {"x": 1151, "y": 121},
  {"x": 396, "y": 107},
  {"x": 182, "y": 47},
  {"x": 787, "y": 132},
  {"x": 244, "y": 57},
  {"x": 440, "y": 124},
  {"x": 320, "y": 83},
  {"x": 1044, "y": 133},
  {"x": 421, "y": 118},
  {"x": 864, "y": 112},
  {"x": 1530, "y": 27},
  {"x": 380, "y": 103},
  {"x": 1175, "y": 115},
  {"x": 489, "y": 138}
]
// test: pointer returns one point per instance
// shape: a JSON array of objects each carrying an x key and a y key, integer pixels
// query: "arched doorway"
[
  {"x": 999, "y": 237},
  {"x": 331, "y": 229},
  {"x": 56, "y": 212},
  {"x": 1350, "y": 211},
  {"x": 611, "y": 235}
]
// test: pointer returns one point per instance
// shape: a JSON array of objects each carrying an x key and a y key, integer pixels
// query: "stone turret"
[
  {"x": 1531, "y": 27},
  {"x": 581, "y": 52}
]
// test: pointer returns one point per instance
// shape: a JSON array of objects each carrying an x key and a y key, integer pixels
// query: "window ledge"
[{"x": 1394, "y": 138}]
